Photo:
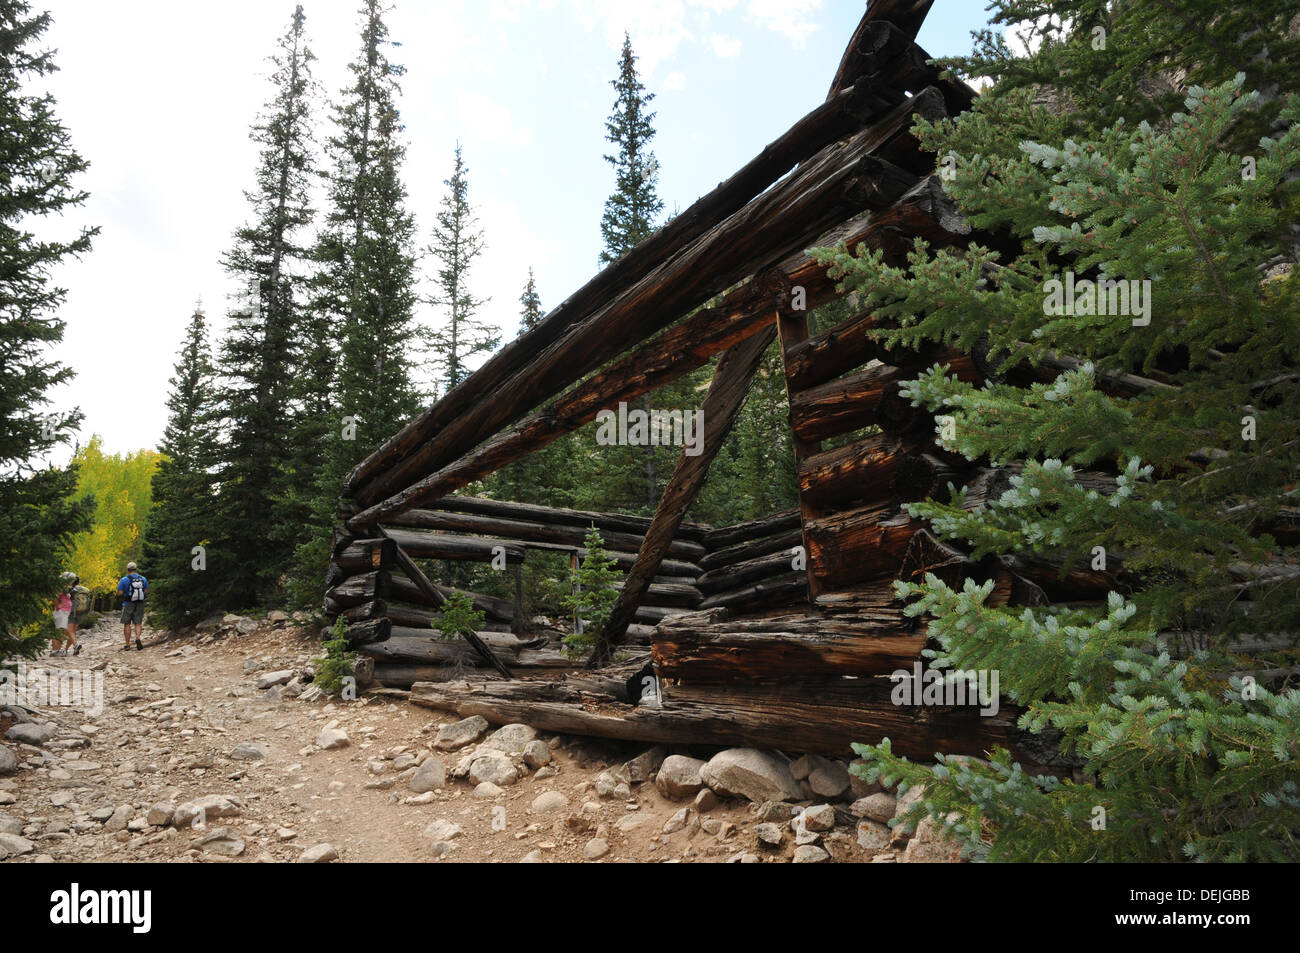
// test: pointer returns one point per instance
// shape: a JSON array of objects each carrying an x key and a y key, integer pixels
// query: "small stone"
[
  {"x": 441, "y": 829},
  {"x": 160, "y": 815},
  {"x": 778, "y": 811},
  {"x": 248, "y": 751},
  {"x": 223, "y": 841},
  {"x": 8, "y": 761},
  {"x": 440, "y": 849},
  {"x": 769, "y": 835},
  {"x": 320, "y": 854},
  {"x": 678, "y": 821},
  {"x": 829, "y": 779},
  {"x": 511, "y": 738},
  {"x": 285, "y": 834},
  {"x": 487, "y": 791},
  {"x": 30, "y": 733},
  {"x": 532, "y": 857},
  {"x": 679, "y": 777},
  {"x": 596, "y": 848},
  {"x": 872, "y": 835},
  {"x": 820, "y": 817},
  {"x": 630, "y": 822},
  {"x": 706, "y": 800},
  {"x": 810, "y": 854},
  {"x": 430, "y": 776},
  {"x": 932, "y": 845},
  {"x": 207, "y": 808},
  {"x": 495, "y": 766},
  {"x": 267, "y": 679},
  {"x": 460, "y": 733},
  {"x": 536, "y": 753},
  {"x": 641, "y": 768},
  {"x": 12, "y": 845},
  {"x": 332, "y": 738},
  {"x": 880, "y": 806},
  {"x": 548, "y": 802},
  {"x": 549, "y": 771},
  {"x": 118, "y": 819}
]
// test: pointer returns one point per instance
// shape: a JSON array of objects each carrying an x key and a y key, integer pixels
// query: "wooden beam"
[
  {"x": 560, "y": 516},
  {"x": 430, "y": 592},
  {"x": 843, "y": 113},
  {"x": 722, "y": 403},
  {"x": 840, "y": 181}
]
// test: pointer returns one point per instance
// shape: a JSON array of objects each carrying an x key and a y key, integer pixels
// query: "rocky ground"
[{"x": 212, "y": 748}]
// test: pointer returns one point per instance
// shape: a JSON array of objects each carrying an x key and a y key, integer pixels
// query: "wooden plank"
[
  {"x": 444, "y": 546},
  {"x": 722, "y": 403},
  {"x": 753, "y": 529}
]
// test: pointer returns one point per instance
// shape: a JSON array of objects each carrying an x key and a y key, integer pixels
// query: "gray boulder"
[
  {"x": 8, "y": 761},
  {"x": 679, "y": 777},
  {"x": 755, "y": 775},
  {"x": 30, "y": 733},
  {"x": 511, "y": 739},
  {"x": 430, "y": 776},
  {"x": 460, "y": 733}
]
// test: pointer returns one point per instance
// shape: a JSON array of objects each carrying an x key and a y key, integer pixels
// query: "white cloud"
[
  {"x": 787, "y": 17},
  {"x": 483, "y": 119},
  {"x": 674, "y": 81},
  {"x": 725, "y": 46}
]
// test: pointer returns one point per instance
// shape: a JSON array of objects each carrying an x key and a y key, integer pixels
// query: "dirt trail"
[{"x": 182, "y": 720}]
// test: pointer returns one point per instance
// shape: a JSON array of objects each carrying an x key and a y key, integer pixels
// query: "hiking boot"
[
  {"x": 138, "y": 646},
  {"x": 76, "y": 650},
  {"x": 127, "y": 647}
]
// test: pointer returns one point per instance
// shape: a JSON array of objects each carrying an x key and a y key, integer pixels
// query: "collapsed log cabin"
[{"x": 781, "y": 632}]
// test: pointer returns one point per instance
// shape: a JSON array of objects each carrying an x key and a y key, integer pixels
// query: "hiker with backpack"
[
  {"x": 62, "y": 609},
  {"x": 133, "y": 588}
]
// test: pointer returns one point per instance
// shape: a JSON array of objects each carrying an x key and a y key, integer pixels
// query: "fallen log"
[
  {"x": 859, "y": 545},
  {"x": 772, "y": 592},
  {"x": 751, "y": 530},
  {"x": 443, "y": 546},
  {"x": 732, "y": 577},
  {"x": 823, "y": 716}
]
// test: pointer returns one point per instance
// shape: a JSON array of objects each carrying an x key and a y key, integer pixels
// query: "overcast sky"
[{"x": 158, "y": 96}]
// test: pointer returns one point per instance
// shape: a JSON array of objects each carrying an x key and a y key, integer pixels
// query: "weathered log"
[
  {"x": 862, "y": 470},
  {"x": 826, "y": 124},
  {"x": 825, "y": 356},
  {"x": 743, "y": 552},
  {"x": 736, "y": 575},
  {"x": 356, "y": 590},
  {"x": 559, "y": 516},
  {"x": 443, "y": 546},
  {"x": 368, "y": 633},
  {"x": 375, "y": 609},
  {"x": 927, "y": 554},
  {"x": 824, "y": 717},
  {"x": 519, "y": 531},
  {"x": 774, "y": 591},
  {"x": 422, "y": 618},
  {"x": 842, "y": 179},
  {"x": 365, "y": 555},
  {"x": 923, "y": 476},
  {"x": 841, "y": 405},
  {"x": 753, "y": 529},
  {"x": 859, "y": 545},
  {"x": 698, "y": 649},
  {"x": 669, "y": 596},
  {"x": 722, "y": 403}
]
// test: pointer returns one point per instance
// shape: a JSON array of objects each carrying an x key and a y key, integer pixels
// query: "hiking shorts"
[
  {"x": 60, "y": 620},
  {"x": 133, "y": 612}
]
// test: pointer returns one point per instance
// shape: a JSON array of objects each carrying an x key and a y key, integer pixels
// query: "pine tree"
[
  {"x": 628, "y": 477},
  {"x": 1182, "y": 756},
  {"x": 37, "y": 513},
  {"x": 593, "y": 593},
  {"x": 185, "y": 585},
  {"x": 532, "y": 314},
  {"x": 631, "y": 210},
  {"x": 456, "y": 243},
  {"x": 264, "y": 348},
  {"x": 365, "y": 292}
]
